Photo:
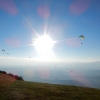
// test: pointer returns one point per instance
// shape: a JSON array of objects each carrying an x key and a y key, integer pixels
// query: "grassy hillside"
[
  {"x": 6, "y": 80},
  {"x": 22, "y": 90}
]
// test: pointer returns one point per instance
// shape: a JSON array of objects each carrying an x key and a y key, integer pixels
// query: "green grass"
[{"x": 23, "y": 90}]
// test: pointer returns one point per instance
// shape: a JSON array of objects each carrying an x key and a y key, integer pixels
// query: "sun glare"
[{"x": 44, "y": 46}]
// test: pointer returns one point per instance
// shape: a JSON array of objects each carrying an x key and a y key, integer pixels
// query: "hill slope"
[
  {"x": 6, "y": 80},
  {"x": 21, "y": 90}
]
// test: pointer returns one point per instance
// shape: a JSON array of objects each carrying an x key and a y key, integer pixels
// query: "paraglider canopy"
[
  {"x": 82, "y": 37},
  {"x": 3, "y": 50}
]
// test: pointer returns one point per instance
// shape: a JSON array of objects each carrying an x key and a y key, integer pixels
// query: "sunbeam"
[{"x": 27, "y": 22}]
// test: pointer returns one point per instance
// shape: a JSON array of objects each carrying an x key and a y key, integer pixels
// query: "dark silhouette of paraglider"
[
  {"x": 72, "y": 71},
  {"x": 7, "y": 53},
  {"x": 31, "y": 43}
]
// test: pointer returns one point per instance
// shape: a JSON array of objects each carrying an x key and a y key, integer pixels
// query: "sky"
[{"x": 22, "y": 21}]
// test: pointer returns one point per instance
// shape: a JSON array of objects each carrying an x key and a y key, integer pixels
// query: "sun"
[{"x": 44, "y": 46}]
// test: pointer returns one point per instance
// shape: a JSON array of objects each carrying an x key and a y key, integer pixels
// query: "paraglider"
[
  {"x": 31, "y": 43},
  {"x": 7, "y": 53},
  {"x": 82, "y": 37},
  {"x": 3, "y": 51},
  {"x": 72, "y": 71}
]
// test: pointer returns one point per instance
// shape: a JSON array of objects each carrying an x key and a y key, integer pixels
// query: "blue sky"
[{"x": 63, "y": 19}]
